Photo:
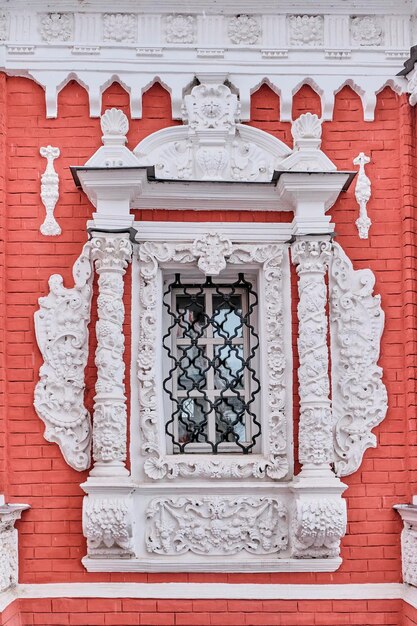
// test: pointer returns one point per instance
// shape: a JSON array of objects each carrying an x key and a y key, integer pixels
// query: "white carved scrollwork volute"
[
  {"x": 111, "y": 254},
  {"x": 315, "y": 432}
]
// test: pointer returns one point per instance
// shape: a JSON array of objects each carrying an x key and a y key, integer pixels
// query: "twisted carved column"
[
  {"x": 311, "y": 258},
  {"x": 111, "y": 254}
]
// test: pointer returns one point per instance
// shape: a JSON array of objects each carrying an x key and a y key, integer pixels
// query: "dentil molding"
[{"x": 326, "y": 47}]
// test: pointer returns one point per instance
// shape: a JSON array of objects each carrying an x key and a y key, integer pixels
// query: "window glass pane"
[
  {"x": 230, "y": 420},
  {"x": 227, "y": 316},
  {"x": 191, "y": 318},
  {"x": 211, "y": 343},
  {"x": 192, "y": 420},
  {"x": 192, "y": 367},
  {"x": 229, "y": 366}
]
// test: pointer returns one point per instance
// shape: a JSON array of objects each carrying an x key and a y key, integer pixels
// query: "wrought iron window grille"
[{"x": 212, "y": 345}]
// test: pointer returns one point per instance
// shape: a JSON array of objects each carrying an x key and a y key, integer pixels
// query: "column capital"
[
  {"x": 311, "y": 255},
  {"x": 111, "y": 251}
]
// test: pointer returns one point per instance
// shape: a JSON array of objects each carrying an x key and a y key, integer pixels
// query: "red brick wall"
[
  {"x": 50, "y": 533},
  {"x": 133, "y": 612},
  {"x": 409, "y": 615}
]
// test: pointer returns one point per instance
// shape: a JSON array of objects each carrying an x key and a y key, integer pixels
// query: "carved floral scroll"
[
  {"x": 61, "y": 326},
  {"x": 359, "y": 395}
]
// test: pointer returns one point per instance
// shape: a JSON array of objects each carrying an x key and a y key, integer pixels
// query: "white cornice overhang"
[
  {"x": 141, "y": 48},
  {"x": 115, "y": 191}
]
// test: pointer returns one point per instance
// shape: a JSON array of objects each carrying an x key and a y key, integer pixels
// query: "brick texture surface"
[
  {"x": 33, "y": 470},
  {"x": 136, "y": 612}
]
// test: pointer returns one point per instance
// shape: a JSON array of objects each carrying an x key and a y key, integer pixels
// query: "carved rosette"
[
  {"x": 157, "y": 466},
  {"x": 107, "y": 526},
  {"x": 215, "y": 526},
  {"x": 358, "y": 393},
  {"x": 111, "y": 254},
  {"x": 54, "y": 27},
  {"x": 120, "y": 27},
  {"x": 315, "y": 432},
  {"x": 318, "y": 526},
  {"x": 61, "y": 326}
]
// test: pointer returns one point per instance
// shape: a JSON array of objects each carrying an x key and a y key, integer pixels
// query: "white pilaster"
[
  {"x": 111, "y": 254},
  {"x": 319, "y": 520}
]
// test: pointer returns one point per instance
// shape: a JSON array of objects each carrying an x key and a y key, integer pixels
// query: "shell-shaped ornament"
[{"x": 307, "y": 126}]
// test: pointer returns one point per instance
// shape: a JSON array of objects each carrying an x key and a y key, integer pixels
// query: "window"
[{"x": 212, "y": 348}]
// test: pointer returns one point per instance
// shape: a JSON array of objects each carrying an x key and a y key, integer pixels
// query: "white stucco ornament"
[
  {"x": 50, "y": 191},
  {"x": 61, "y": 326},
  {"x": 362, "y": 195},
  {"x": 9, "y": 561},
  {"x": 212, "y": 145},
  {"x": 359, "y": 396},
  {"x": 183, "y": 512}
]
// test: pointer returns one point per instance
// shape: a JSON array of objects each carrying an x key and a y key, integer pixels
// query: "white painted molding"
[
  {"x": 50, "y": 191},
  {"x": 327, "y": 47},
  {"x": 9, "y": 562},
  {"x": 362, "y": 195},
  {"x": 212, "y": 147},
  {"x": 408, "y": 514},
  {"x": 61, "y": 327},
  {"x": 214, "y": 591}
]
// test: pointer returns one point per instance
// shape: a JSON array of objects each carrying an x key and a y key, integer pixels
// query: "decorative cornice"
[{"x": 290, "y": 46}]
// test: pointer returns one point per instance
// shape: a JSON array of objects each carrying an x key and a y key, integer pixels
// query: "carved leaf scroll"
[
  {"x": 61, "y": 326},
  {"x": 359, "y": 395},
  {"x": 213, "y": 525}
]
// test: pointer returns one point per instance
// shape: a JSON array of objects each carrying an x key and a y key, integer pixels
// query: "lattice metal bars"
[{"x": 212, "y": 382}]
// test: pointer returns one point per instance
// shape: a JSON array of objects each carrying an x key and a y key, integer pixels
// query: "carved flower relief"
[
  {"x": 216, "y": 526},
  {"x": 4, "y": 27},
  {"x": 366, "y": 31},
  {"x": 306, "y": 30},
  {"x": 120, "y": 27},
  {"x": 244, "y": 29},
  {"x": 56, "y": 27},
  {"x": 180, "y": 29}
]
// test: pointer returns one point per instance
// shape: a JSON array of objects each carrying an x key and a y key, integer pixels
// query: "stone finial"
[{"x": 362, "y": 195}]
